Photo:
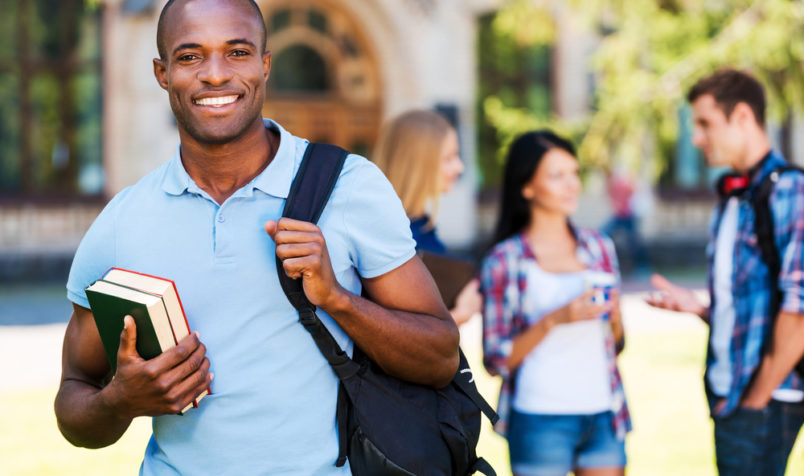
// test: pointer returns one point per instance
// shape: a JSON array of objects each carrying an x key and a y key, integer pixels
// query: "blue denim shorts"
[{"x": 550, "y": 445}]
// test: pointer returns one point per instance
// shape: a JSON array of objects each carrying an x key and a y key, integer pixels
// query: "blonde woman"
[{"x": 418, "y": 151}]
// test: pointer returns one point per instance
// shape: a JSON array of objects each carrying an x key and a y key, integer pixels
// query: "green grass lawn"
[{"x": 662, "y": 373}]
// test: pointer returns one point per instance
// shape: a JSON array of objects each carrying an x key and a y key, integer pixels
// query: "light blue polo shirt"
[{"x": 272, "y": 410}]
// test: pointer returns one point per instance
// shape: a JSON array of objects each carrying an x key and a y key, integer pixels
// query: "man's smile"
[{"x": 216, "y": 101}]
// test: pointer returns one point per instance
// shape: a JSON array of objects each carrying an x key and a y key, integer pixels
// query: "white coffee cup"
[{"x": 603, "y": 284}]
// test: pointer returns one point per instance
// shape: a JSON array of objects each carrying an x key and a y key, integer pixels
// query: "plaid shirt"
[
  {"x": 751, "y": 288},
  {"x": 504, "y": 285}
]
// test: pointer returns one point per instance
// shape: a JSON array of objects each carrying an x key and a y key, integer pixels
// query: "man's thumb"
[
  {"x": 660, "y": 282},
  {"x": 270, "y": 228},
  {"x": 128, "y": 338}
]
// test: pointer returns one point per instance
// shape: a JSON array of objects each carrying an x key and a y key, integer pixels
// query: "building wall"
[
  {"x": 420, "y": 66},
  {"x": 426, "y": 56}
]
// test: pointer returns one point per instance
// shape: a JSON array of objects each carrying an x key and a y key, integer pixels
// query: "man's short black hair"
[
  {"x": 730, "y": 87},
  {"x": 160, "y": 29}
]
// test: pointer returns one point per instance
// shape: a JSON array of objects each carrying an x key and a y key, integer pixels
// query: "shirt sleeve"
[
  {"x": 379, "y": 230},
  {"x": 607, "y": 246},
  {"x": 94, "y": 256},
  {"x": 787, "y": 205},
  {"x": 500, "y": 298}
]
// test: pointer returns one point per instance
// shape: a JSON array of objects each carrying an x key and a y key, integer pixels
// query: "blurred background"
[{"x": 81, "y": 117}]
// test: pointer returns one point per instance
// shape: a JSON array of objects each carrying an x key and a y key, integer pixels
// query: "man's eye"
[
  {"x": 240, "y": 53},
  {"x": 187, "y": 57}
]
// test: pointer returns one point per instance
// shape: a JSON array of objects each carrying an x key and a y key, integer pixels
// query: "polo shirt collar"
[
  {"x": 275, "y": 180},
  {"x": 176, "y": 180}
]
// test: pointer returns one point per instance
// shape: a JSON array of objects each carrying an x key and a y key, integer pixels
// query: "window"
[
  {"x": 280, "y": 20},
  {"x": 318, "y": 22},
  {"x": 50, "y": 99},
  {"x": 302, "y": 70}
]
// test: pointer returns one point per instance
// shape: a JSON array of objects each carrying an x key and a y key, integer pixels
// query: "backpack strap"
[
  {"x": 465, "y": 382},
  {"x": 482, "y": 466},
  {"x": 308, "y": 196},
  {"x": 314, "y": 182},
  {"x": 764, "y": 228}
]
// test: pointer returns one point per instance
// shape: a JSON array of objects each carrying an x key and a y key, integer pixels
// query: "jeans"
[
  {"x": 550, "y": 445},
  {"x": 756, "y": 442}
]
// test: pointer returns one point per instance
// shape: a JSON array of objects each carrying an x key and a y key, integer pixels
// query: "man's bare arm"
[
  {"x": 786, "y": 350},
  {"x": 405, "y": 327},
  {"x": 84, "y": 373},
  {"x": 93, "y": 410},
  {"x": 676, "y": 298}
]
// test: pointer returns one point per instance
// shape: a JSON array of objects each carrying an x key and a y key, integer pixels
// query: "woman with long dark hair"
[{"x": 551, "y": 320}]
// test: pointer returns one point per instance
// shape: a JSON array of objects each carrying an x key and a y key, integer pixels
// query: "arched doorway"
[{"x": 324, "y": 82}]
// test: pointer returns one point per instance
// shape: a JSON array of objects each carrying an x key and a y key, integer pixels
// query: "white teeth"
[{"x": 219, "y": 101}]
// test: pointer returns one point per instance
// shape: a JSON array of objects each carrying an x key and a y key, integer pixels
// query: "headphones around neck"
[{"x": 732, "y": 184}]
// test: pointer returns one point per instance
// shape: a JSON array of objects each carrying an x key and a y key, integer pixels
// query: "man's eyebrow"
[
  {"x": 186, "y": 46},
  {"x": 238, "y": 41}
]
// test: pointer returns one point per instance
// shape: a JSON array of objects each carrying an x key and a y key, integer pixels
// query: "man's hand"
[
  {"x": 303, "y": 251},
  {"x": 404, "y": 327},
  {"x": 468, "y": 303},
  {"x": 786, "y": 349},
  {"x": 675, "y": 298},
  {"x": 92, "y": 411},
  {"x": 163, "y": 385}
]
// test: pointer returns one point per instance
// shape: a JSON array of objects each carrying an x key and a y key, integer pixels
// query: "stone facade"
[{"x": 423, "y": 56}]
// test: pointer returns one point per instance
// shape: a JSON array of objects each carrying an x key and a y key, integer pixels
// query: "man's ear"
[
  {"x": 266, "y": 64},
  {"x": 160, "y": 73},
  {"x": 743, "y": 114}
]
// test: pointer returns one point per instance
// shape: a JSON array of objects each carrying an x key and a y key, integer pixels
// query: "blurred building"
[{"x": 81, "y": 116}]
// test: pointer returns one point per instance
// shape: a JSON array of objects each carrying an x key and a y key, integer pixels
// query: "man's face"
[
  {"x": 721, "y": 139},
  {"x": 214, "y": 70}
]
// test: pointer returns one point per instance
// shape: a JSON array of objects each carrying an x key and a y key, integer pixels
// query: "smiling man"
[
  {"x": 756, "y": 321},
  {"x": 209, "y": 220}
]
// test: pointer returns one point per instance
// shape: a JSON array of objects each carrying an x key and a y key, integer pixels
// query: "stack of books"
[{"x": 154, "y": 304}]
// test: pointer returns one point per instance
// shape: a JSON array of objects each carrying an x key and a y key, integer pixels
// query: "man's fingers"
[
  {"x": 285, "y": 223},
  {"x": 189, "y": 379},
  {"x": 179, "y": 379},
  {"x": 183, "y": 351},
  {"x": 298, "y": 266},
  {"x": 298, "y": 250},
  {"x": 663, "y": 300},
  {"x": 282, "y": 237},
  {"x": 661, "y": 283}
]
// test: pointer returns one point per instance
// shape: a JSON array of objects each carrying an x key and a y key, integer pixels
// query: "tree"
[{"x": 650, "y": 52}]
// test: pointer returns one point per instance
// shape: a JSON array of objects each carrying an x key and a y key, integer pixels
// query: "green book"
[
  {"x": 110, "y": 302},
  {"x": 154, "y": 304}
]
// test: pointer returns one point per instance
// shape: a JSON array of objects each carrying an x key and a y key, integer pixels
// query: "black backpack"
[
  {"x": 766, "y": 240},
  {"x": 386, "y": 426}
]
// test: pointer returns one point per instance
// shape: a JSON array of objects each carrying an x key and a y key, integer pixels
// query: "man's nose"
[{"x": 215, "y": 71}]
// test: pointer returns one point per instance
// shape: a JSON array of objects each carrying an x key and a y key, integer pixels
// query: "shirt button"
[{"x": 221, "y": 219}]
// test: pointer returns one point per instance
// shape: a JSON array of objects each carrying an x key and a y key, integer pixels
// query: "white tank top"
[{"x": 567, "y": 372}]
